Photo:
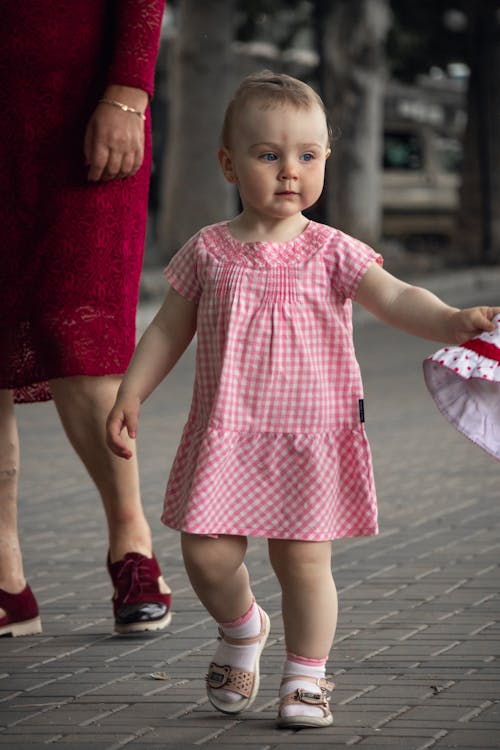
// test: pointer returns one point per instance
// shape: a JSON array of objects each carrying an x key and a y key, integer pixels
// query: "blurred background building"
[{"x": 412, "y": 91}]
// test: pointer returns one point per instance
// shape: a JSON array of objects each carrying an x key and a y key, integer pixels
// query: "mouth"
[{"x": 286, "y": 192}]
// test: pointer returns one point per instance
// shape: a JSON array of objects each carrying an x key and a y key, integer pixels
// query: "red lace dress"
[{"x": 71, "y": 251}]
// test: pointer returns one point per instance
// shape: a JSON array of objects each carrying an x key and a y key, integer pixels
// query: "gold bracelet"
[{"x": 123, "y": 107}]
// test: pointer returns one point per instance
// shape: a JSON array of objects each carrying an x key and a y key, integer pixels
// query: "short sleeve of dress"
[
  {"x": 182, "y": 272},
  {"x": 348, "y": 259}
]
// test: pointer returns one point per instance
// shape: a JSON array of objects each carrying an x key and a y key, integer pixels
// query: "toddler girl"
[{"x": 274, "y": 445}]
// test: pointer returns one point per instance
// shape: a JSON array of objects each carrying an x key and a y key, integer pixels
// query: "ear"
[{"x": 226, "y": 162}]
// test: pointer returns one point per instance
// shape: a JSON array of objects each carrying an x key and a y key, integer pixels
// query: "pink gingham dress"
[{"x": 274, "y": 445}]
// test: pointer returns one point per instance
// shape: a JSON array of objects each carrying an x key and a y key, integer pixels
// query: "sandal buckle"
[
  {"x": 313, "y": 699},
  {"x": 217, "y": 676}
]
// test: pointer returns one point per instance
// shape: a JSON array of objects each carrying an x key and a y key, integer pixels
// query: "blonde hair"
[{"x": 270, "y": 89}]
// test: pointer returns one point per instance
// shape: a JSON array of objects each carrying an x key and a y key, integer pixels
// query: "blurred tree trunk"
[
  {"x": 477, "y": 236},
  {"x": 351, "y": 37},
  {"x": 195, "y": 192}
]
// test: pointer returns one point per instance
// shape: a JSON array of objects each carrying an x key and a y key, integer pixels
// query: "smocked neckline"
[
  {"x": 298, "y": 239},
  {"x": 272, "y": 254}
]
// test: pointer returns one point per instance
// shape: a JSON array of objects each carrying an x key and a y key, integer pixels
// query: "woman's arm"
[
  {"x": 417, "y": 311},
  {"x": 163, "y": 342},
  {"x": 114, "y": 139},
  {"x": 135, "y": 42}
]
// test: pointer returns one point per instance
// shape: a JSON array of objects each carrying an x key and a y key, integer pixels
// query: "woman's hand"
[{"x": 114, "y": 139}]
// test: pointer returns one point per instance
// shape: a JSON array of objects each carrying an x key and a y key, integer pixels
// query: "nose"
[{"x": 288, "y": 169}]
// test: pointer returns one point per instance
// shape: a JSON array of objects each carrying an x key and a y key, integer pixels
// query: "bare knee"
[
  {"x": 9, "y": 460},
  {"x": 294, "y": 559},
  {"x": 85, "y": 393},
  {"x": 9, "y": 470},
  {"x": 8, "y": 474},
  {"x": 212, "y": 559},
  {"x": 9, "y": 441}
]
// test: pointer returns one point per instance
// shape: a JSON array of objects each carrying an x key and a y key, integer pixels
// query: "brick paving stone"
[
  {"x": 471, "y": 738},
  {"x": 416, "y": 657},
  {"x": 34, "y": 744}
]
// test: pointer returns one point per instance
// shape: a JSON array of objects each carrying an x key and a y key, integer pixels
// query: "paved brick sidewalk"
[{"x": 416, "y": 659}]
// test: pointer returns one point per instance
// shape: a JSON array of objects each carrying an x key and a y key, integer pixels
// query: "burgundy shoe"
[
  {"x": 138, "y": 603},
  {"x": 21, "y": 613}
]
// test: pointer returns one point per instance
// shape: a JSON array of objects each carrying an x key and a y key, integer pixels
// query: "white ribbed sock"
[
  {"x": 291, "y": 668},
  {"x": 242, "y": 657}
]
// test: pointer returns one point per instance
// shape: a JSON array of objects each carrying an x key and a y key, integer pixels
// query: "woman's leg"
[
  {"x": 218, "y": 574},
  {"x": 83, "y": 404},
  {"x": 309, "y": 604},
  {"x": 11, "y": 563},
  {"x": 18, "y": 606}
]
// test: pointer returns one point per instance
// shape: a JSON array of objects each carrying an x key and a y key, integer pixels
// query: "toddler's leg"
[
  {"x": 219, "y": 577},
  {"x": 309, "y": 603},
  {"x": 218, "y": 574}
]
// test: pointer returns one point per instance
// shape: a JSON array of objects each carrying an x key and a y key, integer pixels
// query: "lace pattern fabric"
[{"x": 72, "y": 251}]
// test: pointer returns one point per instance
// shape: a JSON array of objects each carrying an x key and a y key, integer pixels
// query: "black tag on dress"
[{"x": 361, "y": 407}]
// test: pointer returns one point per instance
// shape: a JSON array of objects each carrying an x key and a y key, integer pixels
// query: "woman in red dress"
[{"x": 74, "y": 175}]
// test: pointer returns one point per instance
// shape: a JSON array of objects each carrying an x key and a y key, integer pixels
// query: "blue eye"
[
  {"x": 307, "y": 157},
  {"x": 268, "y": 157}
]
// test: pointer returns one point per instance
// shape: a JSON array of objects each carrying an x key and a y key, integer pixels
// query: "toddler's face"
[{"x": 277, "y": 158}]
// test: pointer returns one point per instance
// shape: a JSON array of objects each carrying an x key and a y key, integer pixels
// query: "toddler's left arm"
[{"x": 418, "y": 311}]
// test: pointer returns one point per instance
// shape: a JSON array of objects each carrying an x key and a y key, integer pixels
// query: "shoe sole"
[
  {"x": 143, "y": 627},
  {"x": 298, "y": 722},
  {"x": 28, "y": 627},
  {"x": 239, "y": 706}
]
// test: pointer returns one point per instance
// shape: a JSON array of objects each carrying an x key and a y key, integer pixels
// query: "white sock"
[
  {"x": 242, "y": 657},
  {"x": 316, "y": 671}
]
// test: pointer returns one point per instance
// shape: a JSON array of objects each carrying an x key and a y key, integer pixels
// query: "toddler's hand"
[
  {"x": 465, "y": 324},
  {"x": 123, "y": 415}
]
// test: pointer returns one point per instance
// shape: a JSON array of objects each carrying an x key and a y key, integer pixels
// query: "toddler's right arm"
[{"x": 163, "y": 342}]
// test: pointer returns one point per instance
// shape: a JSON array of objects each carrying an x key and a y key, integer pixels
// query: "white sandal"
[
  {"x": 318, "y": 698},
  {"x": 237, "y": 680}
]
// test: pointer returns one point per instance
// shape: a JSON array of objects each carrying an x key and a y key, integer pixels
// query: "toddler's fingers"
[
  {"x": 474, "y": 321},
  {"x": 491, "y": 314},
  {"x": 130, "y": 422},
  {"x": 122, "y": 451},
  {"x": 484, "y": 318},
  {"x": 114, "y": 440}
]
